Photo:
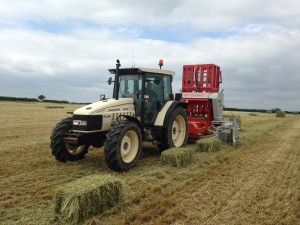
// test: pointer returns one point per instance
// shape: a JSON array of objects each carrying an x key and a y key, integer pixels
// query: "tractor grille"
[{"x": 87, "y": 122}]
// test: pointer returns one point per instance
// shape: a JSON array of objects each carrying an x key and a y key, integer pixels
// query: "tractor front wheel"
[
  {"x": 65, "y": 152},
  {"x": 122, "y": 147}
]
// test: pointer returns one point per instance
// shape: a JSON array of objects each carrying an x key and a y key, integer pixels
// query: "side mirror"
[
  {"x": 109, "y": 81},
  {"x": 178, "y": 96}
]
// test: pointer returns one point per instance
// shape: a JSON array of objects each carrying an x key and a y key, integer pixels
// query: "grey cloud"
[{"x": 202, "y": 15}]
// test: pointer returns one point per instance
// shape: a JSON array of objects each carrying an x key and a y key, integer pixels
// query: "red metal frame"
[{"x": 200, "y": 78}]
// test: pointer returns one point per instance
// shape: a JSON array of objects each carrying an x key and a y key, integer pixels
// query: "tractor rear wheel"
[
  {"x": 176, "y": 133},
  {"x": 122, "y": 147},
  {"x": 65, "y": 152}
]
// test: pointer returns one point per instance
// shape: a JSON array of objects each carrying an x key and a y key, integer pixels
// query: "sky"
[{"x": 63, "y": 49}]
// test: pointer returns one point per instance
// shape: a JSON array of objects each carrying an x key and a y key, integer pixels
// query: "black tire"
[
  {"x": 59, "y": 147},
  {"x": 123, "y": 146},
  {"x": 177, "y": 125}
]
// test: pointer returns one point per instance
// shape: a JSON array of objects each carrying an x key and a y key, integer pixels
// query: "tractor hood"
[{"x": 105, "y": 106}]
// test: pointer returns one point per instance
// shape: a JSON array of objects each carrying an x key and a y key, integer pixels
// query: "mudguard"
[{"x": 165, "y": 113}]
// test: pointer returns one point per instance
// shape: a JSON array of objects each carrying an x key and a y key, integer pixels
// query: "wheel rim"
[
  {"x": 129, "y": 146},
  {"x": 178, "y": 131},
  {"x": 74, "y": 149}
]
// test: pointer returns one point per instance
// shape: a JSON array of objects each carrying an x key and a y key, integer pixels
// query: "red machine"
[{"x": 200, "y": 89}]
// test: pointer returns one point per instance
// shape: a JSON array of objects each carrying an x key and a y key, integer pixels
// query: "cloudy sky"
[{"x": 63, "y": 48}]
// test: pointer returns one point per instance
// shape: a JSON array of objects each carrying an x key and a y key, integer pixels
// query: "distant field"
[{"x": 255, "y": 183}]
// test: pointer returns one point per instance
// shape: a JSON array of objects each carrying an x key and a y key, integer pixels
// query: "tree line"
[{"x": 6, "y": 98}]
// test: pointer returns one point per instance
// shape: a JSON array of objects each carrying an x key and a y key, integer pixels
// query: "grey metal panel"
[{"x": 217, "y": 102}]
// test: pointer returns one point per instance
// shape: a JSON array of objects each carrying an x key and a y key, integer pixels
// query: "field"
[{"x": 255, "y": 183}]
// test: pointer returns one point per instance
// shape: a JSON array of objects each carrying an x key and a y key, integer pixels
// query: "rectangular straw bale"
[
  {"x": 177, "y": 157},
  {"x": 280, "y": 114},
  {"x": 211, "y": 144},
  {"x": 87, "y": 196},
  {"x": 269, "y": 111}
]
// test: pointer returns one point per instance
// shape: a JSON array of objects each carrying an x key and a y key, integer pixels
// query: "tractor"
[{"x": 143, "y": 108}]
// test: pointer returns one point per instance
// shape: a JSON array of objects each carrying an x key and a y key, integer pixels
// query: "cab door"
[{"x": 153, "y": 97}]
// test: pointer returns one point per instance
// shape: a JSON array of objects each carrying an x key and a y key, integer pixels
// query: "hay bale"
[
  {"x": 177, "y": 157},
  {"x": 252, "y": 114},
  {"x": 269, "y": 111},
  {"x": 87, "y": 196},
  {"x": 280, "y": 114},
  {"x": 295, "y": 113},
  {"x": 208, "y": 145}
]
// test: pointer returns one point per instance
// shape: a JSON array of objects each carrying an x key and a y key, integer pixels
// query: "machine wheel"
[
  {"x": 122, "y": 147},
  {"x": 65, "y": 152},
  {"x": 176, "y": 133}
]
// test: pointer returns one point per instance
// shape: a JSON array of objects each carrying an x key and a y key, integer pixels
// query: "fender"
[
  {"x": 133, "y": 119},
  {"x": 166, "y": 112}
]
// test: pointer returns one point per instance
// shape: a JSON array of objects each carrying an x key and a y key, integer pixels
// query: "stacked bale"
[
  {"x": 87, "y": 196},
  {"x": 269, "y": 111},
  {"x": 208, "y": 145},
  {"x": 280, "y": 114},
  {"x": 177, "y": 157}
]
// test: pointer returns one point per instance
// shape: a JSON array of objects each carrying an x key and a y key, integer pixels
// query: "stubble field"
[{"x": 255, "y": 183}]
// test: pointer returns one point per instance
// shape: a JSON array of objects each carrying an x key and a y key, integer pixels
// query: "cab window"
[{"x": 167, "y": 87}]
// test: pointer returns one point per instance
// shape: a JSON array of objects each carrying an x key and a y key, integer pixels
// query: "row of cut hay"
[
  {"x": 252, "y": 114},
  {"x": 211, "y": 144},
  {"x": 280, "y": 114},
  {"x": 177, "y": 157},
  {"x": 54, "y": 107},
  {"x": 87, "y": 196}
]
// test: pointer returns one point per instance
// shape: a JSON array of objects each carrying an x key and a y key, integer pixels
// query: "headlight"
[
  {"x": 87, "y": 122},
  {"x": 80, "y": 122}
]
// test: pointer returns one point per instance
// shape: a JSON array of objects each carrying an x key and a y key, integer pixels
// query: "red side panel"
[
  {"x": 200, "y": 115},
  {"x": 197, "y": 126}
]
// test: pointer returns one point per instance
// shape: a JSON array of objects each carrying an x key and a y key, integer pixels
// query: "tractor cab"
[{"x": 150, "y": 89}]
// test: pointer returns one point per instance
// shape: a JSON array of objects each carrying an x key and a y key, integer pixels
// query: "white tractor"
[{"x": 142, "y": 109}]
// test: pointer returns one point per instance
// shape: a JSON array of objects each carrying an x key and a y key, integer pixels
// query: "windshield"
[{"x": 130, "y": 86}]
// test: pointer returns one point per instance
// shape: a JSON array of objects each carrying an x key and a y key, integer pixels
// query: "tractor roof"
[{"x": 125, "y": 71}]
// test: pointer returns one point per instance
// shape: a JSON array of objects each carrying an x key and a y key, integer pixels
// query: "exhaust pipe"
[{"x": 116, "y": 88}]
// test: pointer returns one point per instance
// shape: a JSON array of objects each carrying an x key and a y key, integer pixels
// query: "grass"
[{"x": 256, "y": 183}]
